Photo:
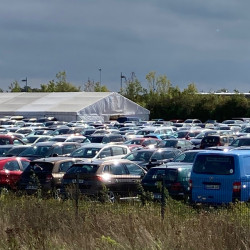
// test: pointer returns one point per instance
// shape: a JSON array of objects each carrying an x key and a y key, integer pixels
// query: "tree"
[
  {"x": 15, "y": 87},
  {"x": 134, "y": 90},
  {"x": 91, "y": 86},
  {"x": 61, "y": 84}
]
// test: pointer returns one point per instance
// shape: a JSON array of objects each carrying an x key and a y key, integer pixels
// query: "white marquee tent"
[{"x": 69, "y": 106}]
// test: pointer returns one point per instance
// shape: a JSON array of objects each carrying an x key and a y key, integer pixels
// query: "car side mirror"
[{"x": 54, "y": 155}]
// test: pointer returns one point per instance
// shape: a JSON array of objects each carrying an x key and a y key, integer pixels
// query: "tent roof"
[
  {"x": 61, "y": 101},
  {"x": 54, "y": 101}
]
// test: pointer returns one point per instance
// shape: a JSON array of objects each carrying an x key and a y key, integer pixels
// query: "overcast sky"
[{"x": 204, "y": 42}]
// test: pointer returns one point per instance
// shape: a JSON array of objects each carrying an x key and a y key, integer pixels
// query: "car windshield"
[
  {"x": 85, "y": 152},
  {"x": 186, "y": 157},
  {"x": 43, "y": 151},
  {"x": 170, "y": 175},
  {"x": 240, "y": 142},
  {"x": 214, "y": 164},
  {"x": 84, "y": 169},
  {"x": 39, "y": 167},
  {"x": 167, "y": 143},
  {"x": 139, "y": 156}
]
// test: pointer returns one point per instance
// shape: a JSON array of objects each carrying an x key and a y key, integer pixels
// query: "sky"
[{"x": 201, "y": 42}]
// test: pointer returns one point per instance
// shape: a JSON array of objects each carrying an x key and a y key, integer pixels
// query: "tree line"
[{"x": 160, "y": 97}]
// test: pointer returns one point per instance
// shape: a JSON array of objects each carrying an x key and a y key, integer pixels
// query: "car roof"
[
  {"x": 101, "y": 145},
  {"x": 54, "y": 159},
  {"x": 50, "y": 143},
  {"x": 99, "y": 162}
]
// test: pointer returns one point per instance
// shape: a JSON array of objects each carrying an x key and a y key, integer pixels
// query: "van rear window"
[{"x": 214, "y": 164}]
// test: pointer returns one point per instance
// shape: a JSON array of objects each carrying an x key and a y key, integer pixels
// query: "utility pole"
[{"x": 26, "y": 84}]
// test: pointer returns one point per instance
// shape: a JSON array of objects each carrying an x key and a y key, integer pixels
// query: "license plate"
[
  {"x": 157, "y": 196},
  {"x": 214, "y": 187},
  {"x": 31, "y": 187},
  {"x": 79, "y": 181}
]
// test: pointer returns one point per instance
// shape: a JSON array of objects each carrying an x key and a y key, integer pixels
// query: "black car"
[
  {"x": 175, "y": 178},
  {"x": 140, "y": 156},
  {"x": 161, "y": 156},
  {"x": 49, "y": 149},
  {"x": 106, "y": 138},
  {"x": 45, "y": 175},
  {"x": 120, "y": 178}
]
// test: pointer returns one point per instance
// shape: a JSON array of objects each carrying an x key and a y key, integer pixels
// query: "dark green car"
[{"x": 176, "y": 180}]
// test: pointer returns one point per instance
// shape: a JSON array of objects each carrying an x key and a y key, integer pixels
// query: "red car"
[
  {"x": 11, "y": 169},
  {"x": 10, "y": 139}
]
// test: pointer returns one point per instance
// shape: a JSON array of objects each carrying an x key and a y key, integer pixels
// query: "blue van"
[{"x": 220, "y": 177}]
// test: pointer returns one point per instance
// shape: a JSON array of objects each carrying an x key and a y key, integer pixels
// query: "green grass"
[{"x": 33, "y": 223}]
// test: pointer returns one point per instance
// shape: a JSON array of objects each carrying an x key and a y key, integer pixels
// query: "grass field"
[{"x": 33, "y": 223}]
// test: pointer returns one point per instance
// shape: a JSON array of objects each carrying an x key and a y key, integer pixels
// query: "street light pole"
[
  {"x": 122, "y": 76},
  {"x": 26, "y": 84},
  {"x": 100, "y": 70}
]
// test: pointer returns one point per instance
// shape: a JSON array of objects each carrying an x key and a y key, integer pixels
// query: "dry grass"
[{"x": 31, "y": 223}]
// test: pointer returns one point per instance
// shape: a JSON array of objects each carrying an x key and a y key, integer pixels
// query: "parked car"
[
  {"x": 93, "y": 151},
  {"x": 181, "y": 144},
  {"x": 10, "y": 139},
  {"x": 176, "y": 181},
  {"x": 197, "y": 139},
  {"x": 49, "y": 149},
  {"x": 241, "y": 141},
  {"x": 120, "y": 177},
  {"x": 144, "y": 142},
  {"x": 162, "y": 156},
  {"x": 220, "y": 177},
  {"x": 106, "y": 138},
  {"x": 45, "y": 174},
  {"x": 15, "y": 150},
  {"x": 4, "y": 149},
  {"x": 216, "y": 140},
  {"x": 141, "y": 156},
  {"x": 11, "y": 169},
  {"x": 186, "y": 156},
  {"x": 32, "y": 139}
]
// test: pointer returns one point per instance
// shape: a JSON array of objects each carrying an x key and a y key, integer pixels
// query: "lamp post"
[
  {"x": 122, "y": 76},
  {"x": 100, "y": 70},
  {"x": 26, "y": 84}
]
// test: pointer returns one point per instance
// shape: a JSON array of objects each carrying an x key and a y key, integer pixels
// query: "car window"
[
  {"x": 117, "y": 150},
  {"x": 106, "y": 152},
  {"x": 57, "y": 150},
  {"x": 25, "y": 164},
  {"x": 64, "y": 166},
  {"x": 4, "y": 141},
  {"x": 134, "y": 169},
  {"x": 85, "y": 169},
  {"x": 68, "y": 149},
  {"x": 17, "y": 142},
  {"x": 117, "y": 169},
  {"x": 214, "y": 164},
  {"x": 11, "y": 166}
]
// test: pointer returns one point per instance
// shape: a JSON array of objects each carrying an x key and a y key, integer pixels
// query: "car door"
[
  {"x": 135, "y": 174},
  {"x": 119, "y": 176}
]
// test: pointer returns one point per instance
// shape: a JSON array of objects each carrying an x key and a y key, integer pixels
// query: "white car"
[{"x": 93, "y": 151}]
